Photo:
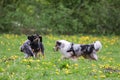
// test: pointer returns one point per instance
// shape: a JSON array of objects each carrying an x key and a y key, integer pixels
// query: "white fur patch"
[
  {"x": 94, "y": 56},
  {"x": 65, "y": 45},
  {"x": 97, "y": 45}
]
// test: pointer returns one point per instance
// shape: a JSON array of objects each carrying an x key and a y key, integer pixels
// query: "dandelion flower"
[
  {"x": 93, "y": 65},
  {"x": 76, "y": 65},
  {"x": 102, "y": 76}
]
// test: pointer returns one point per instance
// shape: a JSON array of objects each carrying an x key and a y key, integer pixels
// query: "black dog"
[{"x": 36, "y": 44}]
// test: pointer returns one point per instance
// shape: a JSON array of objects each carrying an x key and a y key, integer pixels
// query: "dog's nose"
[
  {"x": 21, "y": 50},
  {"x": 55, "y": 48}
]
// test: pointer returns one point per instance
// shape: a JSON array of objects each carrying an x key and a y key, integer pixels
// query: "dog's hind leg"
[
  {"x": 38, "y": 54},
  {"x": 41, "y": 48}
]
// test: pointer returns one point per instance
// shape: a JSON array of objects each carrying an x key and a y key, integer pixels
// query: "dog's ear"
[
  {"x": 58, "y": 43},
  {"x": 30, "y": 38},
  {"x": 40, "y": 38}
]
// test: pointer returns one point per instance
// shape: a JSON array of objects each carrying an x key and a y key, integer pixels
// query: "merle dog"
[
  {"x": 73, "y": 51},
  {"x": 26, "y": 49}
]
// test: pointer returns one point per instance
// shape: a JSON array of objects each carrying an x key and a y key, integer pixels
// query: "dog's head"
[
  {"x": 59, "y": 44},
  {"x": 35, "y": 42},
  {"x": 24, "y": 46},
  {"x": 35, "y": 37},
  {"x": 97, "y": 45}
]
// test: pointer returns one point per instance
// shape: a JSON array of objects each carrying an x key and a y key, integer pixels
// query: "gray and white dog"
[
  {"x": 73, "y": 51},
  {"x": 26, "y": 48}
]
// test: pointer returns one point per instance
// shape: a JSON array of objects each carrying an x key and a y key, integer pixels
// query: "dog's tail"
[{"x": 97, "y": 45}]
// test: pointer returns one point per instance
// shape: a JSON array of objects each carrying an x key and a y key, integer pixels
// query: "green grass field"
[{"x": 13, "y": 66}]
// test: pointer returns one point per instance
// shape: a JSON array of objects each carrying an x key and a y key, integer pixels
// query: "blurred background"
[{"x": 60, "y": 16}]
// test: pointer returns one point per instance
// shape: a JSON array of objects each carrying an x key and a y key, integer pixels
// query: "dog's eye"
[{"x": 34, "y": 37}]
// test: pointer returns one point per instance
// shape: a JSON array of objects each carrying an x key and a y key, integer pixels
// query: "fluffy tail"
[{"x": 97, "y": 45}]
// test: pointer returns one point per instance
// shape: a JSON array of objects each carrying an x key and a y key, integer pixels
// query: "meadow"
[{"x": 13, "y": 65}]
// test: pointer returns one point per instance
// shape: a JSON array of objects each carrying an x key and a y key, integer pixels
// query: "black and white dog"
[
  {"x": 70, "y": 50},
  {"x": 33, "y": 46}
]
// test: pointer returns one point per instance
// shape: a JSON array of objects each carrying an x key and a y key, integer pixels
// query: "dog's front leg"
[
  {"x": 26, "y": 55},
  {"x": 94, "y": 56}
]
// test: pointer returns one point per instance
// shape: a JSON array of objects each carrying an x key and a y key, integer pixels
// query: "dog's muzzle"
[
  {"x": 36, "y": 40},
  {"x": 21, "y": 49},
  {"x": 55, "y": 48}
]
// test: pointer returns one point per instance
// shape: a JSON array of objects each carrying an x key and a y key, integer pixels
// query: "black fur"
[
  {"x": 31, "y": 38},
  {"x": 37, "y": 46},
  {"x": 36, "y": 43},
  {"x": 87, "y": 49},
  {"x": 58, "y": 43}
]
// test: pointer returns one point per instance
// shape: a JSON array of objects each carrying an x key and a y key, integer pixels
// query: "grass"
[{"x": 13, "y": 66}]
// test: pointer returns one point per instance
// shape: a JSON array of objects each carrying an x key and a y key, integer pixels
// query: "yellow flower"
[
  {"x": 14, "y": 57},
  {"x": 94, "y": 70},
  {"x": 37, "y": 60},
  {"x": 111, "y": 59},
  {"x": 107, "y": 66},
  {"x": 109, "y": 53},
  {"x": 67, "y": 65},
  {"x": 24, "y": 60},
  {"x": 106, "y": 46},
  {"x": 54, "y": 65},
  {"x": 101, "y": 66},
  {"x": 102, "y": 76},
  {"x": 67, "y": 71},
  {"x": 9, "y": 49},
  {"x": 1, "y": 42},
  {"x": 43, "y": 62},
  {"x": 59, "y": 60},
  {"x": 93, "y": 65},
  {"x": 110, "y": 72},
  {"x": 100, "y": 71},
  {"x": 28, "y": 66},
  {"x": 31, "y": 60},
  {"x": 119, "y": 73},
  {"x": 95, "y": 76},
  {"x": 2, "y": 70},
  {"x": 57, "y": 73},
  {"x": 76, "y": 65}
]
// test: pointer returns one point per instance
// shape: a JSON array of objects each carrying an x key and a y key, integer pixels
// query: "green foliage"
[{"x": 60, "y": 16}]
